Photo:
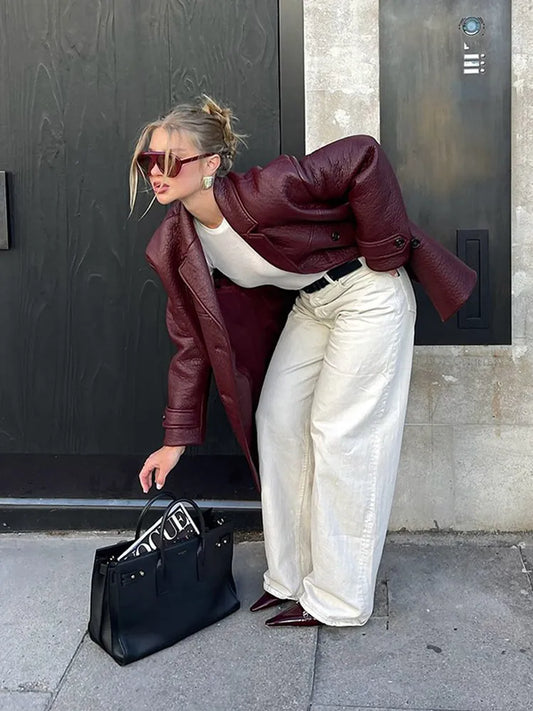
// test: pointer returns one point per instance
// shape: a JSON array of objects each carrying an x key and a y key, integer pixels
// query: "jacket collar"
[{"x": 231, "y": 205}]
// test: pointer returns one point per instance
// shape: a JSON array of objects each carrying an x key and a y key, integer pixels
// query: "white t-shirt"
[{"x": 226, "y": 251}]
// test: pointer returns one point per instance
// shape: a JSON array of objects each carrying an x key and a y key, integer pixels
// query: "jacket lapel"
[
  {"x": 176, "y": 246},
  {"x": 232, "y": 208}
]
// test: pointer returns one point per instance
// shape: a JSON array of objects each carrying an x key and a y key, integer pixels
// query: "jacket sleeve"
[
  {"x": 188, "y": 381},
  {"x": 353, "y": 170},
  {"x": 356, "y": 169}
]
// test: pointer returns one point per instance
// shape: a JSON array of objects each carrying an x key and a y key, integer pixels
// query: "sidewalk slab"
[
  {"x": 44, "y": 584},
  {"x": 24, "y": 701},
  {"x": 458, "y": 636},
  {"x": 236, "y": 664},
  {"x": 314, "y": 707}
]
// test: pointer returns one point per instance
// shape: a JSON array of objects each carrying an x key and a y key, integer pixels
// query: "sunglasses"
[{"x": 147, "y": 160}]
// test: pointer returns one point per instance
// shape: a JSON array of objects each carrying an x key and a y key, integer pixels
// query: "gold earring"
[{"x": 207, "y": 182}]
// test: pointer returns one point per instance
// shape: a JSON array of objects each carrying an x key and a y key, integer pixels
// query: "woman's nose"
[{"x": 154, "y": 170}]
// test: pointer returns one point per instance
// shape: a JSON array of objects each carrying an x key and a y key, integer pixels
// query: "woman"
[{"x": 330, "y": 235}]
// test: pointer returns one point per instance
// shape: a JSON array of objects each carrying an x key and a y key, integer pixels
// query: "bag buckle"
[{"x": 130, "y": 578}]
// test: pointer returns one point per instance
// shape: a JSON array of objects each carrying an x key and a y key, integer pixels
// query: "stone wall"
[{"x": 467, "y": 459}]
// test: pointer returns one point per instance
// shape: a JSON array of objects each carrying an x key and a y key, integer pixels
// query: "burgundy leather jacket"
[{"x": 307, "y": 216}]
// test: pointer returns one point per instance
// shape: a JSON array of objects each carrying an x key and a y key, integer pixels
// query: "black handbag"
[{"x": 144, "y": 604}]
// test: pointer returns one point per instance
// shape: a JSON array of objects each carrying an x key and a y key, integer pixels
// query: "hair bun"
[{"x": 224, "y": 116}]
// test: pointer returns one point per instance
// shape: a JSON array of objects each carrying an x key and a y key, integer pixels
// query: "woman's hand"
[{"x": 160, "y": 464}]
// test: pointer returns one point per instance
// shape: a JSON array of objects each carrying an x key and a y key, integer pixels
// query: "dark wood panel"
[
  {"x": 10, "y": 426},
  {"x": 114, "y": 342},
  {"x": 230, "y": 51},
  {"x": 96, "y": 262},
  {"x": 142, "y": 94},
  {"x": 34, "y": 275},
  {"x": 115, "y": 476}
]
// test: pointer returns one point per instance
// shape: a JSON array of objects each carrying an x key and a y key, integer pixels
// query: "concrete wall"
[{"x": 467, "y": 460}]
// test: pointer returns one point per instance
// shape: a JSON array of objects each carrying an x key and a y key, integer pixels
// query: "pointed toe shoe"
[
  {"x": 294, "y": 616},
  {"x": 265, "y": 601}
]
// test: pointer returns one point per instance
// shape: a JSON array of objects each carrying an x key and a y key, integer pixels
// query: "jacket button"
[
  {"x": 335, "y": 236},
  {"x": 415, "y": 243},
  {"x": 164, "y": 417},
  {"x": 399, "y": 242}
]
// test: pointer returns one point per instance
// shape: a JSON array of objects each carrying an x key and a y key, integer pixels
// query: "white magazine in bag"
[{"x": 179, "y": 527}]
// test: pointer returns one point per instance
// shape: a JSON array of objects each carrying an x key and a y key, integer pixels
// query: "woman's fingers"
[
  {"x": 158, "y": 465},
  {"x": 160, "y": 477},
  {"x": 145, "y": 475}
]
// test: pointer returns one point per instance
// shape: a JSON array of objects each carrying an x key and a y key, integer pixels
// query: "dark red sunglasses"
[{"x": 147, "y": 160}]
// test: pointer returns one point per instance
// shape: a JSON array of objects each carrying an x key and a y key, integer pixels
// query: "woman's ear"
[{"x": 212, "y": 164}]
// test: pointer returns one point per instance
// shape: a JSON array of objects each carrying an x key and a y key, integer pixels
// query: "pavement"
[{"x": 452, "y": 630}]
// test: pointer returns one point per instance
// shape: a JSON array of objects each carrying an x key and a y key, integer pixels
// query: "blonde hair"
[{"x": 209, "y": 126}]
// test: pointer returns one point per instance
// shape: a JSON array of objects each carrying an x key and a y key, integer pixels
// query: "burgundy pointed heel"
[
  {"x": 265, "y": 601},
  {"x": 294, "y": 616}
]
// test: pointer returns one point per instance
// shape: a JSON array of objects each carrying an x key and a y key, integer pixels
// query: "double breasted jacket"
[{"x": 340, "y": 202}]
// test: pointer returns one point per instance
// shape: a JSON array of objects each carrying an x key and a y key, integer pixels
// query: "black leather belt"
[{"x": 333, "y": 274}]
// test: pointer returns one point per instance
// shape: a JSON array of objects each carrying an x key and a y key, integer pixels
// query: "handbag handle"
[
  {"x": 200, "y": 553},
  {"x": 148, "y": 506}
]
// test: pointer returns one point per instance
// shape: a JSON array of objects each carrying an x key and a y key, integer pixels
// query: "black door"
[
  {"x": 83, "y": 346},
  {"x": 445, "y": 80}
]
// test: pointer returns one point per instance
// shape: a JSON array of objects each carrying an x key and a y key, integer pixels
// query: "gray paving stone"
[
  {"x": 23, "y": 701},
  {"x": 44, "y": 583},
  {"x": 320, "y": 707},
  {"x": 459, "y": 636},
  {"x": 237, "y": 664}
]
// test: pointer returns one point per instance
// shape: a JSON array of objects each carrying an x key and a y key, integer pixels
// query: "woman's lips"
[{"x": 159, "y": 188}]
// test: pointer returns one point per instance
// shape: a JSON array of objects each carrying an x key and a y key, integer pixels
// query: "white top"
[{"x": 226, "y": 251}]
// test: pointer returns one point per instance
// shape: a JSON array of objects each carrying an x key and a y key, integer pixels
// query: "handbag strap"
[{"x": 200, "y": 551}]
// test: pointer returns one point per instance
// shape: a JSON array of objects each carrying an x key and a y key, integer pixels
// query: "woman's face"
[{"x": 188, "y": 182}]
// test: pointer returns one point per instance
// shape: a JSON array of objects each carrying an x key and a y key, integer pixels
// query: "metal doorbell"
[{"x": 474, "y": 55}]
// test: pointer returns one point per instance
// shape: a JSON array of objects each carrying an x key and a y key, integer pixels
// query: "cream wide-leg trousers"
[{"x": 330, "y": 422}]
